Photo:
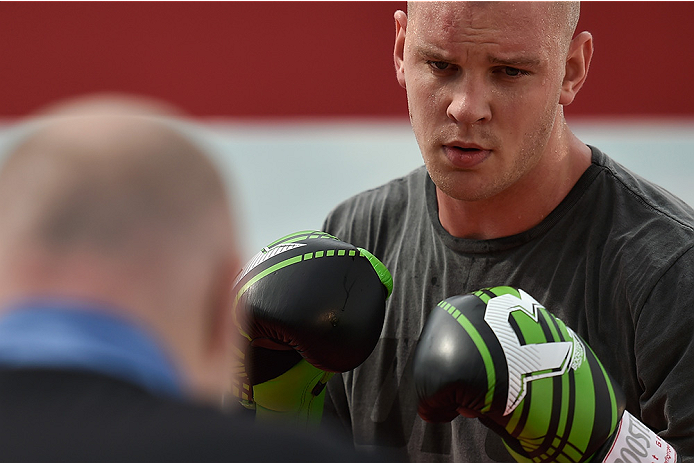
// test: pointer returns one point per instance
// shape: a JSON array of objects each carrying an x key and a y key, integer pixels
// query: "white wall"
[{"x": 287, "y": 176}]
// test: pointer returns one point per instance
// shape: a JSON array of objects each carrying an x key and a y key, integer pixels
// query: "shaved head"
[
  {"x": 102, "y": 181},
  {"x": 561, "y": 17},
  {"x": 106, "y": 103}
]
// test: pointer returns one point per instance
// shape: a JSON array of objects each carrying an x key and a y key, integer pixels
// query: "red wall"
[{"x": 312, "y": 59}]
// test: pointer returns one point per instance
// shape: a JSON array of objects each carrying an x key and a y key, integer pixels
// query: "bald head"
[
  {"x": 105, "y": 182},
  {"x": 110, "y": 103},
  {"x": 559, "y": 18}
]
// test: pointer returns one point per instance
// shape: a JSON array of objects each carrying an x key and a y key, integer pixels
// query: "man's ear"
[
  {"x": 577, "y": 64},
  {"x": 221, "y": 331},
  {"x": 399, "y": 51}
]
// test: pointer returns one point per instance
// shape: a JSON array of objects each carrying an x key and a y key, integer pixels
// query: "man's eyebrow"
[
  {"x": 430, "y": 52},
  {"x": 436, "y": 54},
  {"x": 519, "y": 61}
]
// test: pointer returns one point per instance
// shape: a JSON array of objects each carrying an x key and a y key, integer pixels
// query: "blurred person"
[
  {"x": 117, "y": 253},
  {"x": 111, "y": 103},
  {"x": 510, "y": 196}
]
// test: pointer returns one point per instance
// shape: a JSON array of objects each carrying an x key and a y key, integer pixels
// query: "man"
[
  {"x": 116, "y": 259},
  {"x": 511, "y": 197}
]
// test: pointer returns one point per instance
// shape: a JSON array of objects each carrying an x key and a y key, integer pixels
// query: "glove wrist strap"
[{"x": 635, "y": 442}]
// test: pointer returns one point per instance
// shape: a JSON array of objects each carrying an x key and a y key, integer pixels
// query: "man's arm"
[{"x": 664, "y": 350}]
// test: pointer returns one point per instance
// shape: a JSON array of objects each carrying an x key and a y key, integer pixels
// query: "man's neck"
[{"x": 523, "y": 205}]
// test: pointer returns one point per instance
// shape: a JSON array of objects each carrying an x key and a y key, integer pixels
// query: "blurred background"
[{"x": 298, "y": 101}]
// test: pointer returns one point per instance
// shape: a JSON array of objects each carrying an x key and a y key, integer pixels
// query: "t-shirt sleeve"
[{"x": 664, "y": 351}]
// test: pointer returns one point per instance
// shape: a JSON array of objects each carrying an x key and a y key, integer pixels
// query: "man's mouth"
[
  {"x": 467, "y": 147},
  {"x": 466, "y": 156}
]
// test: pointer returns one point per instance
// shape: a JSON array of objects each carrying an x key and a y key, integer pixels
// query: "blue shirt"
[{"x": 65, "y": 334}]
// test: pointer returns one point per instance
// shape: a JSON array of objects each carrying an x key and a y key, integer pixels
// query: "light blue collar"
[{"x": 65, "y": 334}]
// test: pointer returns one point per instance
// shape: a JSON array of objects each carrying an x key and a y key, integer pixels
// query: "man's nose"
[{"x": 469, "y": 102}]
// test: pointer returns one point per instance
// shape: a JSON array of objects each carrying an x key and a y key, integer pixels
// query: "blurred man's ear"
[
  {"x": 221, "y": 336},
  {"x": 222, "y": 331},
  {"x": 577, "y": 64},
  {"x": 399, "y": 51}
]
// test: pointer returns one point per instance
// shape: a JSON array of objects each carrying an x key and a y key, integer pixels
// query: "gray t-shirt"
[{"x": 614, "y": 261}]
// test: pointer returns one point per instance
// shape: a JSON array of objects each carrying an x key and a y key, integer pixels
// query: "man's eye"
[
  {"x": 439, "y": 65},
  {"x": 514, "y": 72}
]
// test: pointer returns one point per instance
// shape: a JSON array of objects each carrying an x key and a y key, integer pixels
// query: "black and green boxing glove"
[
  {"x": 308, "y": 305},
  {"x": 500, "y": 356}
]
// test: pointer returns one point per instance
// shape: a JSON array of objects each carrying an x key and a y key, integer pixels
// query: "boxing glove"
[
  {"x": 308, "y": 305},
  {"x": 499, "y": 355}
]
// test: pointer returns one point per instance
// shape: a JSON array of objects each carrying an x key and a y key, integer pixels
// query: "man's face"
[{"x": 483, "y": 84}]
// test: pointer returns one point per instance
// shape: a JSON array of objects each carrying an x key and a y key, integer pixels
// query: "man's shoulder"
[
  {"x": 393, "y": 192},
  {"x": 640, "y": 197},
  {"x": 384, "y": 203},
  {"x": 76, "y": 416},
  {"x": 640, "y": 229}
]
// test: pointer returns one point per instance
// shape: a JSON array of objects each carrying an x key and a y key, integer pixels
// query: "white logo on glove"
[{"x": 528, "y": 362}]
